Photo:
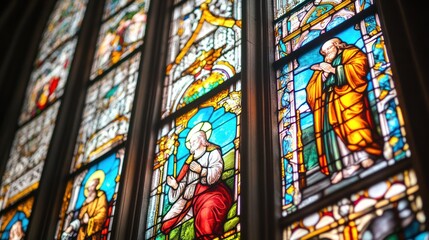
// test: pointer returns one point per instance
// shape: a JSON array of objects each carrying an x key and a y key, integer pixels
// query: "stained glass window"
[
  {"x": 93, "y": 192},
  {"x": 14, "y": 223},
  {"x": 195, "y": 186},
  {"x": 207, "y": 136},
  {"x": 312, "y": 20},
  {"x": 93, "y": 183},
  {"x": 390, "y": 209},
  {"x": 25, "y": 165},
  {"x": 283, "y": 6},
  {"x": 338, "y": 122},
  {"x": 107, "y": 112},
  {"x": 63, "y": 24},
  {"x": 204, "y": 50},
  {"x": 106, "y": 146},
  {"x": 39, "y": 112},
  {"x": 47, "y": 81},
  {"x": 113, "y": 6},
  {"x": 120, "y": 35}
]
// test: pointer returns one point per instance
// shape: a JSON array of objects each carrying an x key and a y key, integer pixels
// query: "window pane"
[
  {"x": 204, "y": 50},
  {"x": 47, "y": 81},
  {"x": 63, "y": 24},
  {"x": 112, "y": 6},
  {"x": 212, "y": 133},
  {"x": 107, "y": 113},
  {"x": 282, "y": 7},
  {"x": 38, "y": 115},
  {"x": 27, "y": 157},
  {"x": 391, "y": 209},
  {"x": 89, "y": 200},
  {"x": 92, "y": 192},
  {"x": 340, "y": 122},
  {"x": 120, "y": 36},
  {"x": 311, "y": 21},
  {"x": 14, "y": 222}
]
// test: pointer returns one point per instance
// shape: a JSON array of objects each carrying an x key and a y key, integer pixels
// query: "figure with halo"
[
  {"x": 93, "y": 213},
  {"x": 198, "y": 191}
]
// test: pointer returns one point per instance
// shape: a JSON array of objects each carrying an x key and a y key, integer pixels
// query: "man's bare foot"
[
  {"x": 367, "y": 163},
  {"x": 348, "y": 172},
  {"x": 338, "y": 176}
]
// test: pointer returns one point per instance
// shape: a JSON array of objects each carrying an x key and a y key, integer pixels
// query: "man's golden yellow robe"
[
  {"x": 340, "y": 103},
  {"x": 97, "y": 211}
]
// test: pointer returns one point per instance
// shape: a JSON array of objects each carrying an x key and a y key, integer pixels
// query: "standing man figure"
[{"x": 337, "y": 94}]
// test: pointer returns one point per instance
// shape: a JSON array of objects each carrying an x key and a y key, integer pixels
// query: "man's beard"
[
  {"x": 330, "y": 57},
  {"x": 192, "y": 149}
]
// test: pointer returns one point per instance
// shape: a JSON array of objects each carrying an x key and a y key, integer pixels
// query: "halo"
[
  {"x": 202, "y": 126},
  {"x": 97, "y": 174}
]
